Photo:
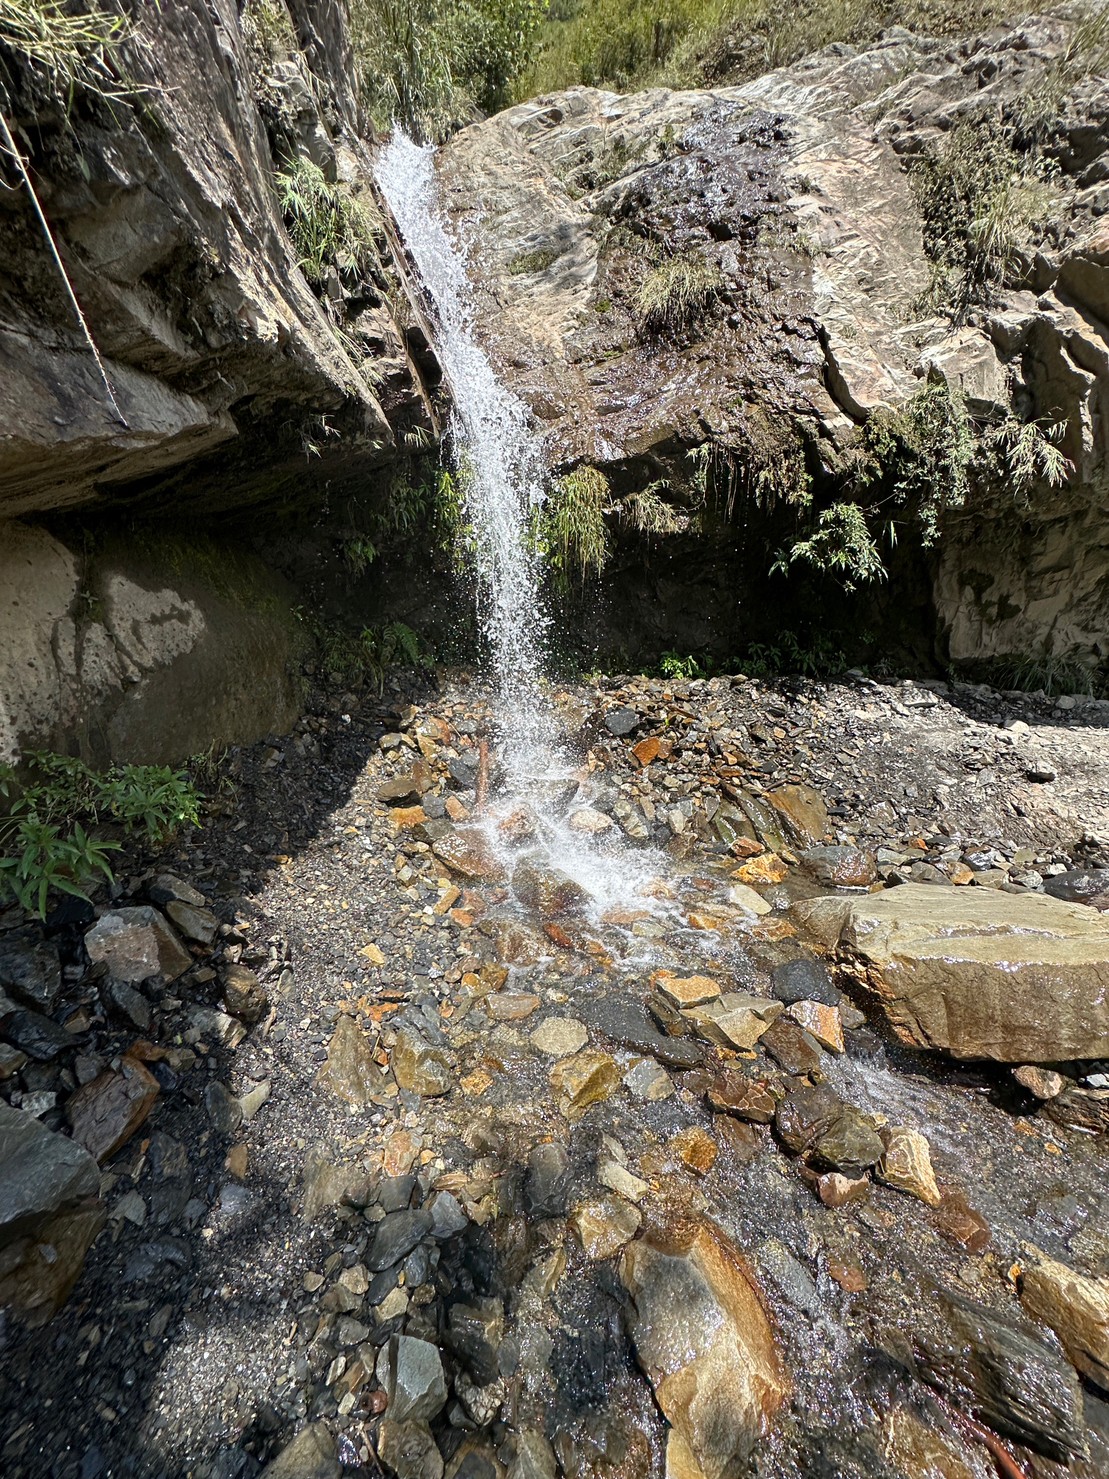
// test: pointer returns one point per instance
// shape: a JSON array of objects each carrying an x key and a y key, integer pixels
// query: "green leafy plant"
[
  {"x": 52, "y": 835},
  {"x": 676, "y": 294},
  {"x": 816, "y": 657},
  {"x": 841, "y": 546},
  {"x": 1030, "y": 453},
  {"x": 673, "y": 665},
  {"x": 327, "y": 223},
  {"x": 571, "y": 524}
]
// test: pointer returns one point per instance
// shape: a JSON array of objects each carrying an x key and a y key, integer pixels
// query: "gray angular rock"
[
  {"x": 40, "y": 1173},
  {"x": 397, "y": 1234},
  {"x": 312, "y": 1454},
  {"x": 137, "y": 943},
  {"x": 411, "y": 1371}
]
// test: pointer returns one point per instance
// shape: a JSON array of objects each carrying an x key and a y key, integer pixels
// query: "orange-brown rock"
[
  {"x": 696, "y": 1149},
  {"x": 106, "y": 1112},
  {"x": 803, "y": 811},
  {"x": 764, "y": 869},
  {"x": 703, "y": 1337}
]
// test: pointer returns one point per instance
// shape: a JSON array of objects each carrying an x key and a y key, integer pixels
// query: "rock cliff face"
[
  {"x": 166, "y": 215},
  {"x": 234, "y": 383},
  {"x": 793, "y": 191}
]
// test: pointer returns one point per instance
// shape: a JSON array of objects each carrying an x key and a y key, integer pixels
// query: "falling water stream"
[
  {"x": 502, "y": 468},
  {"x": 500, "y": 459}
]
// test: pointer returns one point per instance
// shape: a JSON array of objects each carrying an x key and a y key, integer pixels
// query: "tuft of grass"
[
  {"x": 269, "y": 29},
  {"x": 981, "y": 200},
  {"x": 1086, "y": 56},
  {"x": 647, "y": 513},
  {"x": 68, "y": 49},
  {"x": 676, "y": 294},
  {"x": 528, "y": 262},
  {"x": 327, "y": 223},
  {"x": 631, "y": 44}
]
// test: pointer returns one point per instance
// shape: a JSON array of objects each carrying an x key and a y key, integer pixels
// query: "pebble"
[{"x": 559, "y": 1037}]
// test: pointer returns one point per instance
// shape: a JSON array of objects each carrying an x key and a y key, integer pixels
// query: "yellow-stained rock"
[
  {"x": 585, "y": 1079},
  {"x": 702, "y": 1335}
]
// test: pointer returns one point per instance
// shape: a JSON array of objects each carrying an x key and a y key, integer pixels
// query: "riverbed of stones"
[{"x": 371, "y": 1139}]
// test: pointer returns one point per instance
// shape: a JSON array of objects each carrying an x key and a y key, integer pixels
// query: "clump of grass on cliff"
[
  {"x": 676, "y": 294},
  {"x": 326, "y": 222},
  {"x": 67, "y": 48},
  {"x": 629, "y": 44},
  {"x": 980, "y": 199}
]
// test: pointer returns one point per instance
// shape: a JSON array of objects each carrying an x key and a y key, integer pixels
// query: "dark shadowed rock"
[
  {"x": 30, "y": 969},
  {"x": 1019, "y": 1382},
  {"x": 106, "y": 1112}
]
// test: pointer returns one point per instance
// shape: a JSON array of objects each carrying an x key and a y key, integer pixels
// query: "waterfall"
[{"x": 499, "y": 458}]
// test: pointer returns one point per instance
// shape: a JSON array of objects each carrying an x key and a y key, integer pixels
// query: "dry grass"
[
  {"x": 66, "y": 48},
  {"x": 676, "y": 294}
]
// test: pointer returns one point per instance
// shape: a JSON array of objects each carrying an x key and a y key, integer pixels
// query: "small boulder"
[
  {"x": 418, "y": 1067},
  {"x": 547, "y": 891},
  {"x": 840, "y": 867},
  {"x": 30, "y": 969},
  {"x": 137, "y": 943},
  {"x": 468, "y": 852},
  {"x": 243, "y": 994},
  {"x": 586, "y": 1079},
  {"x": 604, "y": 1225},
  {"x": 411, "y": 1371},
  {"x": 907, "y": 1164},
  {"x": 106, "y": 1112},
  {"x": 351, "y": 1072},
  {"x": 312, "y": 1454},
  {"x": 1076, "y": 1308},
  {"x": 194, "y": 923}
]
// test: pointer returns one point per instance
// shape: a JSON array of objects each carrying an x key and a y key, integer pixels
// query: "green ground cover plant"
[{"x": 62, "y": 820}]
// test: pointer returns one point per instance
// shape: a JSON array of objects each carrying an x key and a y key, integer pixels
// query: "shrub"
[
  {"x": 1030, "y": 453},
  {"x": 52, "y": 836},
  {"x": 572, "y": 532},
  {"x": 429, "y": 64},
  {"x": 326, "y": 222},
  {"x": 841, "y": 546},
  {"x": 676, "y": 294}
]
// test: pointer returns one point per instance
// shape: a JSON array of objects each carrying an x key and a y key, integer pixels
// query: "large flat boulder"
[{"x": 1019, "y": 978}]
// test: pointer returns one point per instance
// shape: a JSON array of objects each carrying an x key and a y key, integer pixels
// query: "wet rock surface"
[{"x": 420, "y": 1195}]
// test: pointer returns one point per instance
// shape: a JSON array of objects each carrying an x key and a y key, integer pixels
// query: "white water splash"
[{"x": 503, "y": 487}]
